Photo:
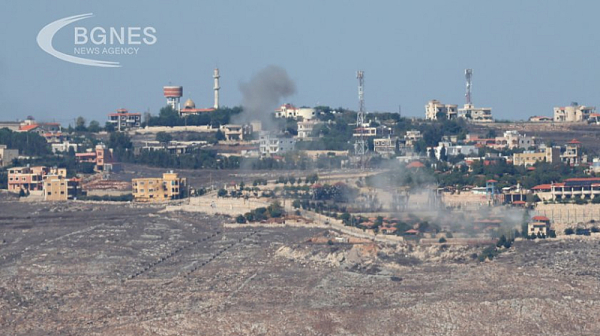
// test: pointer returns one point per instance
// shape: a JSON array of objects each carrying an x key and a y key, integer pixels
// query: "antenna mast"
[{"x": 360, "y": 145}]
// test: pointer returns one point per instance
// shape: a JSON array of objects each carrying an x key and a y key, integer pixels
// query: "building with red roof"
[
  {"x": 571, "y": 188},
  {"x": 51, "y": 131},
  {"x": 572, "y": 153},
  {"x": 415, "y": 164}
]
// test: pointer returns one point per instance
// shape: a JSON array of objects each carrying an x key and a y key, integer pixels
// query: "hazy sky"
[{"x": 527, "y": 56}]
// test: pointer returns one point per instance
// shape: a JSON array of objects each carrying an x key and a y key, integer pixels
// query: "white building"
[
  {"x": 476, "y": 114},
  {"x": 573, "y": 113},
  {"x": 412, "y": 136},
  {"x": 123, "y": 120},
  {"x": 512, "y": 139},
  {"x": 385, "y": 146},
  {"x": 64, "y": 146},
  {"x": 290, "y": 111},
  {"x": 453, "y": 150},
  {"x": 234, "y": 132},
  {"x": 305, "y": 129},
  {"x": 173, "y": 147},
  {"x": 434, "y": 108},
  {"x": 271, "y": 144}
]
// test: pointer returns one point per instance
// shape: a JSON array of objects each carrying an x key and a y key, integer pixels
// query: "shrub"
[
  {"x": 569, "y": 231},
  {"x": 240, "y": 219},
  {"x": 442, "y": 240},
  {"x": 222, "y": 193}
]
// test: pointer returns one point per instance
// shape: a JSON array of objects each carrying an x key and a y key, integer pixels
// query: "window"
[{"x": 49, "y": 193}]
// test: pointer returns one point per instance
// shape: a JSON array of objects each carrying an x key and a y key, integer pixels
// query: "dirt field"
[{"x": 98, "y": 269}]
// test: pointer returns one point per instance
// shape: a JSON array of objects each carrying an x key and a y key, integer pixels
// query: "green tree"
[
  {"x": 220, "y": 136},
  {"x": 80, "y": 124},
  {"x": 240, "y": 219},
  {"x": 222, "y": 193},
  {"x": 163, "y": 137},
  {"x": 109, "y": 127},
  {"x": 443, "y": 155},
  {"x": 296, "y": 204},
  {"x": 275, "y": 210},
  {"x": 94, "y": 127}
]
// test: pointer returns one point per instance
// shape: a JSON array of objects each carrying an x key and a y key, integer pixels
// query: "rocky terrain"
[{"x": 100, "y": 269}]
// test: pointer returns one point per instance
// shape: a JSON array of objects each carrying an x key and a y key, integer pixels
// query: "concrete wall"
[
  {"x": 156, "y": 129},
  {"x": 569, "y": 214},
  {"x": 99, "y": 192}
]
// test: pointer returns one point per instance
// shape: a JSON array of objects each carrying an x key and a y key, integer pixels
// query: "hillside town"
[{"x": 299, "y": 168}]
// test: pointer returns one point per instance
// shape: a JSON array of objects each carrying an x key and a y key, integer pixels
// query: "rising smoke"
[{"x": 263, "y": 93}]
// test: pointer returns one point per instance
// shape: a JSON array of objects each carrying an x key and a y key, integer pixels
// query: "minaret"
[{"x": 216, "y": 88}]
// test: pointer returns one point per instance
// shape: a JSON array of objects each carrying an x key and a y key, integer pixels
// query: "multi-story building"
[
  {"x": 368, "y": 131},
  {"x": 453, "y": 150},
  {"x": 7, "y": 155},
  {"x": 435, "y": 109},
  {"x": 573, "y": 113},
  {"x": 49, "y": 130},
  {"x": 305, "y": 129},
  {"x": 60, "y": 188},
  {"x": 585, "y": 188},
  {"x": 528, "y": 158},
  {"x": 31, "y": 178},
  {"x": 412, "y": 136},
  {"x": 290, "y": 111},
  {"x": 270, "y": 144},
  {"x": 234, "y": 132},
  {"x": 156, "y": 189},
  {"x": 385, "y": 147},
  {"x": 539, "y": 227},
  {"x": 123, "y": 120},
  {"x": 102, "y": 158},
  {"x": 476, "y": 114},
  {"x": 512, "y": 139},
  {"x": 572, "y": 153},
  {"x": 64, "y": 146}
]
